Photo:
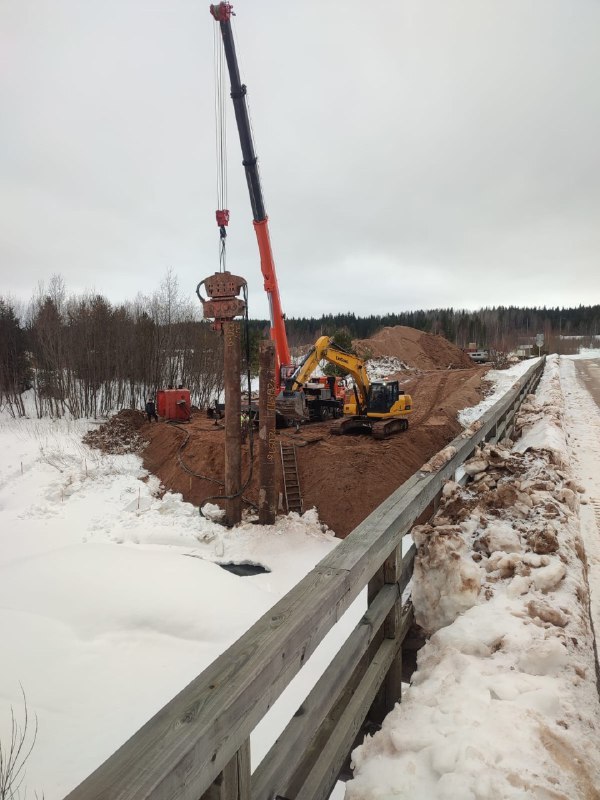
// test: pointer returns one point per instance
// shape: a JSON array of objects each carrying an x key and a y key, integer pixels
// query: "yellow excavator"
[{"x": 377, "y": 407}]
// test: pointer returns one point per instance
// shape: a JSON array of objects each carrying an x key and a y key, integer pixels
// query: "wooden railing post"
[
  {"x": 390, "y": 692},
  {"x": 234, "y": 782},
  {"x": 392, "y": 570}
]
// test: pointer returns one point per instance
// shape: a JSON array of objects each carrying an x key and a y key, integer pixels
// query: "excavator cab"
[{"x": 382, "y": 397}]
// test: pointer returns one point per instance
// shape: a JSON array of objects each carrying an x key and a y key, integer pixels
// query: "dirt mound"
[
  {"x": 119, "y": 434},
  {"x": 416, "y": 348}
]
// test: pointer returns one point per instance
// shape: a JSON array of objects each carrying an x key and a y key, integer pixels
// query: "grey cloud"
[{"x": 413, "y": 155}]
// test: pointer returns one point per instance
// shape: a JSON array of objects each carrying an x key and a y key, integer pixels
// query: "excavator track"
[
  {"x": 347, "y": 425},
  {"x": 381, "y": 429},
  {"x": 388, "y": 427}
]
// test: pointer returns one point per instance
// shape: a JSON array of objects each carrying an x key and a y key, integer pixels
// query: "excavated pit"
[{"x": 344, "y": 477}]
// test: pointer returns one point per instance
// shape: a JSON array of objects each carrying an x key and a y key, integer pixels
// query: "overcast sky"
[{"x": 413, "y": 154}]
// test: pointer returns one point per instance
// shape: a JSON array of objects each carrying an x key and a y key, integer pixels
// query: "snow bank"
[
  {"x": 585, "y": 353},
  {"x": 504, "y": 701},
  {"x": 379, "y": 369},
  {"x": 501, "y": 381}
]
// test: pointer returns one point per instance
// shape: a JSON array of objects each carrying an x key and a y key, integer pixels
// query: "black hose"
[{"x": 187, "y": 469}]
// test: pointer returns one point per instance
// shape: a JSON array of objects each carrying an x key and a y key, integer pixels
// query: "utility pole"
[{"x": 559, "y": 334}]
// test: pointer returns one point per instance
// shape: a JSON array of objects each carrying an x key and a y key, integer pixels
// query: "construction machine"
[
  {"x": 377, "y": 407},
  {"x": 222, "y": 13},
  {"x": 325, "y": 397}
]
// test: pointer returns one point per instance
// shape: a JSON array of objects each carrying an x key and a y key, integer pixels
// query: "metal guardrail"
[{"x": 198, "y": 745}]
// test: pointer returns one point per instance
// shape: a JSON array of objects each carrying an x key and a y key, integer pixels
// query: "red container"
[{"x": 173, "y": 404}]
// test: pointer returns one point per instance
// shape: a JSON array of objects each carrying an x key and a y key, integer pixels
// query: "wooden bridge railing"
[{"x": 198, "y": 746}]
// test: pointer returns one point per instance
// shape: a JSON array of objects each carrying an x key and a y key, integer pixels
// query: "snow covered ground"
[
  {"x": 501, "y": 381},
  {"x": 504, "y": 703},
  {"x": 111, "y": 601}
]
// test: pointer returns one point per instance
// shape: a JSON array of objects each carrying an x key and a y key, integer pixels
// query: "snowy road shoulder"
[
  {"x": 504, "y": 702},
  {"x": 582, "y": 415}
]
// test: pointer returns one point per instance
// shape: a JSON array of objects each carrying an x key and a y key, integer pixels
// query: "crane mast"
[{"x": 222, "y": 14}]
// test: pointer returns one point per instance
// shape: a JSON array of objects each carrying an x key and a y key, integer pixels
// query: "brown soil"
[
  {"x": 415, "y": 348},
  {"x": 345, "y": 477}
]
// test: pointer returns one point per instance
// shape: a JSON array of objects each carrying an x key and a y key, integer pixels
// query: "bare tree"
[{"x": 15, "y": 752}]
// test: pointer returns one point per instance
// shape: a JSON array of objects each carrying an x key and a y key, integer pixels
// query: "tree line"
[
  {"x": 501, "y": 328},
  {"x": 82, "y": 355}
]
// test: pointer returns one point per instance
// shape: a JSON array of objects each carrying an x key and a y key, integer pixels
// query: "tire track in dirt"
[
  {"x": 438, "y": 394},
  {"x": 596, "y": 506}
]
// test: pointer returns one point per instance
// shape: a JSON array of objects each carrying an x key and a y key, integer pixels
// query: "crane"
[{"x": 222, "y": 13}]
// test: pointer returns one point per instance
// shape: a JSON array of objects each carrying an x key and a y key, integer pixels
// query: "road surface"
[{"x": 588, "y": 373}]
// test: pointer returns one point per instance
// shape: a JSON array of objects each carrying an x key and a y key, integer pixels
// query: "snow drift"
[{"x": 504, "y": 702}]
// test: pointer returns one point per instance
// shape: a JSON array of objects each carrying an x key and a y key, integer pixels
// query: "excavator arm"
[
  {"x": 380, "y": 408},
  {"x": 325, "y": 349}
]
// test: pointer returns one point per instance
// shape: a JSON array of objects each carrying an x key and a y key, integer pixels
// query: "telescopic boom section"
[{"x": 222, "y": 13}]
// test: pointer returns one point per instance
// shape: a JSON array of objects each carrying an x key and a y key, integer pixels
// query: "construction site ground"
[{"x": 344, "y": 477}]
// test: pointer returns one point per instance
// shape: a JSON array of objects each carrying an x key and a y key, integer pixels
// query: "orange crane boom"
[{"x": 222, "y": 13}]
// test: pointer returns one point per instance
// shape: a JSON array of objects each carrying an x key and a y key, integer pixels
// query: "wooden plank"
[
  {"x": 408, "y": 561},
  {"x": 273, "y": 774},
  {"x": 392, "y": 685},
  {"x": 234, "y": 782},
  {"x": 323, "y": 775}
]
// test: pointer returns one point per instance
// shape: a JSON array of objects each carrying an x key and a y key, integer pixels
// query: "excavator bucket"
[{"x": 291, "y": 405}]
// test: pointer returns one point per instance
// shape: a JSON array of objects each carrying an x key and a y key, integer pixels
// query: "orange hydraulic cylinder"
[{"x": 267, "y": 265}]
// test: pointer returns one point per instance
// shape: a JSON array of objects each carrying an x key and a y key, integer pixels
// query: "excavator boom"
[{"x": 325, "y": 349}]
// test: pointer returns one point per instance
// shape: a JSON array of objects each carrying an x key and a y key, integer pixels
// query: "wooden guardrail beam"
[
  {"x": 322, "y": 777},
  {"x": 275, "y": 770}
]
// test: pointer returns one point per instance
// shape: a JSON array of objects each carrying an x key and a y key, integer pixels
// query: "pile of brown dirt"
[
  {"x": 119, "y": 434},
  {"x": 344, "y": 477},
  {"x": 416, "y": 348}
]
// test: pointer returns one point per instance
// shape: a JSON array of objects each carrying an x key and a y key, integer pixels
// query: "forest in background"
[
  {"x": 82, "y": 355},
  {"x": 502, "y": 328}
]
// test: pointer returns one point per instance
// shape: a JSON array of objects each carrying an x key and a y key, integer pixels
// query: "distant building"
[
  {"x": 524, "y": 350},
  {"x": 479, "y": 356}
]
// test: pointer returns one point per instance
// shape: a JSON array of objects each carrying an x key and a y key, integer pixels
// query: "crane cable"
[{"x": 221, "y": 136}]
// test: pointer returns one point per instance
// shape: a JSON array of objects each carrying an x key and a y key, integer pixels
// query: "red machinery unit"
[{"x": 174, "y": 404}]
